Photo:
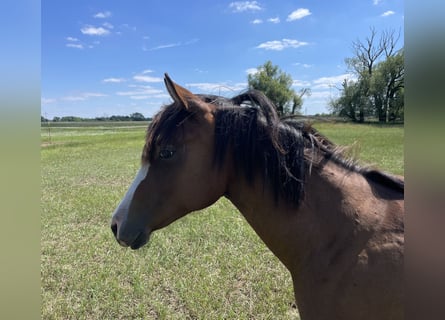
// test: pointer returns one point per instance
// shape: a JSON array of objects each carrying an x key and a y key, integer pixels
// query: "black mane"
[{"x": 263, "y": 143}]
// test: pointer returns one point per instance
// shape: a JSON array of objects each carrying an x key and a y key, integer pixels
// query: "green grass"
[
  {"x": 377, "y": 145},
  {"x": 208, "y": 265}
]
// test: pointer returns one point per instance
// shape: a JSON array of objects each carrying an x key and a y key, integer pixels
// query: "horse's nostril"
[{"x": 114, "y": 228}]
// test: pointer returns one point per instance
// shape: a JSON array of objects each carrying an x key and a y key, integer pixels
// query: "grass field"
[{"x": 208, "y": 265}]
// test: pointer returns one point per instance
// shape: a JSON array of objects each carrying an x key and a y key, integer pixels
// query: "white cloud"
[
  {"x": 160, "y": 95},
  {"x": 192, "y": 41},
  {"x": 74, "y": 98},
  {"x": 114, "y": 80},
  {"x": 84, "y": 96},
  {"x": 274, "y": 20},
  {"x": 240, "y": 6},
  {"x": 376, "y": 2},
  {"x": 47, "y": 100},
  {"x": 304, "y": 65},
  {"x": 387, "y": 13},
  {"x": 322, "y": 94},
  {"x": 164, "y": 46},
  {"x": 172, "y": 45},
  {"x": 75, "y": 45},
  {"x": 201, "y": 71},
  {"x": 103, "y": 15},
  {"x": 93, "y": 31},
  {"x": 329, "y": 82},
  {"x": 140, "y": 97},
  {"x": 93, "y": 95},
  {"x": 257, "y": 21},
  {"x": 140, "y": 91},
  {"x": 298, "y": 14},
  {"x": 252, "y": 71},
  {"x": 278, "y": 45},
  {"x": 301, "y": 83},
  {"x": 108, "y": 25},
  {"x": 218, "y": 87},
  {"x": 144, "y": 78}
]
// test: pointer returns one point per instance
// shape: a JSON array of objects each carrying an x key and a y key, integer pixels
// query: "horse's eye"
[{"x": 166, "y": 153}]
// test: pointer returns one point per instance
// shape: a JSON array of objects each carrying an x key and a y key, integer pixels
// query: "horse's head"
[{"x": 177, "y": 173}]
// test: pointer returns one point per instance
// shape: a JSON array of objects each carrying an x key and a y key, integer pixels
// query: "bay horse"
[{"x": 336, "y": 226}]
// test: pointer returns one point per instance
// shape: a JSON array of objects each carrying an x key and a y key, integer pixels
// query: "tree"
[
  {"x": 379, "y": 89},
  {"x": 137, "y": 116},
  {"x": 351, "y": 103},
  {"x": 70, "y": 119},
  {"x": 387, "y": 87},
  {"x": 276, "y": 85}
]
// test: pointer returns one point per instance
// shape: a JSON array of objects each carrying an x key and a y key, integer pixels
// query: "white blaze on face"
[{"x": 122, "y": 210}]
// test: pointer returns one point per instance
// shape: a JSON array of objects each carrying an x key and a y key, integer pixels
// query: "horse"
[{"x": 337, "y": 226}]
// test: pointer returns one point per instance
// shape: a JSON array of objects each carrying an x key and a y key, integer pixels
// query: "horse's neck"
[
  {"x": 272, "y": 223},
  {"x": 294, "y": 234}
]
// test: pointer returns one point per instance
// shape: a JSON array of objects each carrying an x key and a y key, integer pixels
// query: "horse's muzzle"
[{"x": 126, "y": 240}]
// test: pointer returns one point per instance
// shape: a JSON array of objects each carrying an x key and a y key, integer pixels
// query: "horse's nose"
[
  {"x": 120, "y": 238},
  {"x": 114, "y": 228}
]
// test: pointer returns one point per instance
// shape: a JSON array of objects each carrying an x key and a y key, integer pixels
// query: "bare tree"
[{"x": 375, "y": 91}]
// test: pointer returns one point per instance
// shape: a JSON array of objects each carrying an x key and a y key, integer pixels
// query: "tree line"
[{"x": 132, "y": 117}]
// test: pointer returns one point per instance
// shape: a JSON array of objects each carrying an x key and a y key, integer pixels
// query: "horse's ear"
[
  {"x": 185, "y": 98},
  {"x": 179, "y": 94}
]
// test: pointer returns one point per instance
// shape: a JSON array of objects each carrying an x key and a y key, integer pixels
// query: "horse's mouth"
[{"x": 140, "y": 241}]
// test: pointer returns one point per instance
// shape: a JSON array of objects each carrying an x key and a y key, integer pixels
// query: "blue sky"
[{"x": 103, "y": 58}]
